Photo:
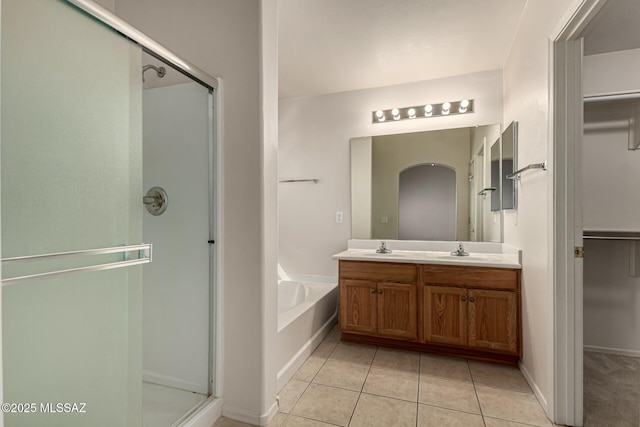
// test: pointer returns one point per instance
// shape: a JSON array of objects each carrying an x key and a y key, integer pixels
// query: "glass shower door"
[{"x": 71, "y": 164}]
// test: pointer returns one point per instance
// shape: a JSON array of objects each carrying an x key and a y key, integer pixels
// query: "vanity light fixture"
[
  {"x": 464, "y": 106},
  {"x": 428, "y": 110}
]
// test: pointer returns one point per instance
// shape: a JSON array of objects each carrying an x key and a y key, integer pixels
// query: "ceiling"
[
  {"x": 328, "y": 46},
  {"x": 616, "y": 27}
]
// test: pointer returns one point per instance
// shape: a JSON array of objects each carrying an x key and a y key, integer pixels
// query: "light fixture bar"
[{"x": 450, "y": 108}]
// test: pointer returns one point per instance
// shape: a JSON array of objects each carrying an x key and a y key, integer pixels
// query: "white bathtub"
[{"x": 307, "y": 310}]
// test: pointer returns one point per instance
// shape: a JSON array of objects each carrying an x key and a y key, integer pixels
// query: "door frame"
[{"x": 566, "y": 117}]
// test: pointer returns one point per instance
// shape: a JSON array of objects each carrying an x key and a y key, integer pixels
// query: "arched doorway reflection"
[{"x": 427, "y": 203}]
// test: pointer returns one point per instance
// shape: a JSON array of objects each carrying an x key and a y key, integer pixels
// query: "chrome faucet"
[
  {"x": 460, "y": 251},
  {"x": 383, "y": 249}
]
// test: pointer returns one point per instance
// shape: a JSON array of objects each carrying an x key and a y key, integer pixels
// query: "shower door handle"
[{"x": 144, "y": 256}]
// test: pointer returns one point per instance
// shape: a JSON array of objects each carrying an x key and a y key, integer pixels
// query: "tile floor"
[{"x": 346, "y": 384}]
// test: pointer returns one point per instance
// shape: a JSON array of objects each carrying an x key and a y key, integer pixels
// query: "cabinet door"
[
  {"x": 445, "y": 315},
  {"x": 358, "y": 306},
  {"x": 493, "y": 321},
  {"x": 397, "y": 310}
]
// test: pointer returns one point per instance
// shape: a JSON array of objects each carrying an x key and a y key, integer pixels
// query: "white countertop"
[{"x": 489, "y": 255}]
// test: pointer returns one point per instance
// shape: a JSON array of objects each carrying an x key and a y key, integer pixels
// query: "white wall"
[
  {"x": 530, "y": 227},
  {"x": 224, "y": 38},
  {"x": 611, "y": 72},
  {"x": 269, "y": 204},
  {"x": 314, "y": 143}
]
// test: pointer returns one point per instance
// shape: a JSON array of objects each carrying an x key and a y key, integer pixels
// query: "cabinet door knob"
[
  {"x": 463, "y": 299},
  {"x": 379, "y": 291},
  {"x": 472, "y": 299},
  {"x": 373, "y": 291}
]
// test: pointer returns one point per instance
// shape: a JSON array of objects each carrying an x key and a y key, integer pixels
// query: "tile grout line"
[
  {"x": 475, "y": 391},
  {"x": 418, "y": 396},
  {"x": 362, "y": 387},
  {"x": 310, "y": 382}
]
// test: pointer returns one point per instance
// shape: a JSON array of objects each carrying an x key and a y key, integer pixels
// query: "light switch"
[
  {"x": 339, "y": 217},
  {"x": 384, "y": 220}
]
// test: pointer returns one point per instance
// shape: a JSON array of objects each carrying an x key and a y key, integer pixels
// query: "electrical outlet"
[
  {"x": 384, "y": 220},
  {"x": 339, "y": 217}
]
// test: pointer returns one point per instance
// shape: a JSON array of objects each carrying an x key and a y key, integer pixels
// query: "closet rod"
[{"x": 612, "y": 97}]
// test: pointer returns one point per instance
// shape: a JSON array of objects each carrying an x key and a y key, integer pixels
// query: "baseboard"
[
  {"x": 266, "y": 418},
  {"x": 256, "y": 420},
  {"x": 206, "y": 415},
  {"x": 289, "y": 369},
  {"x": 536, "y": 389},
  {"x": 240, "y": 415},
  {"x": 155, "y": 378},
  {"x": 610, "y": 350}
]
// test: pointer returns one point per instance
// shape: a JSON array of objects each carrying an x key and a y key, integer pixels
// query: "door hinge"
[{"x": 579, "y": 251}]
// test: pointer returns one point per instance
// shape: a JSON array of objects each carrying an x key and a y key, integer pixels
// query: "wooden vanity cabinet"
[
  {"x": 461, "y": 310},
  {"x": 379, "y": 299},
  {"x": 475, "y": 307}
]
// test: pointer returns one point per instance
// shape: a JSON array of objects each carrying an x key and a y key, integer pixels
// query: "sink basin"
[
  {"x": 462, "y": 258},
  {"x": 389, "y": 254}
]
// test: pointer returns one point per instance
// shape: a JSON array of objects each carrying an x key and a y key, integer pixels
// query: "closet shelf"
[
  {"x": 611, "y": 235},
  {"x": 623, "y": 96}
]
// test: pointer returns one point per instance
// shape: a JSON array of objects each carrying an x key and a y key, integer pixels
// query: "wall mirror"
[
  {"x": 509, "y": 165},
  {"x": 424, "y": 186}
]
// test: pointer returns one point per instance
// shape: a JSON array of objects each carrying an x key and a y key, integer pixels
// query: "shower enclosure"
[
  {"x": 176, "y": 286},
  {"x": 86, "y": 315}
]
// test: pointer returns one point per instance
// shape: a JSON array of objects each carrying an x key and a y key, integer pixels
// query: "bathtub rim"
[{"x": 318, "y": 290}]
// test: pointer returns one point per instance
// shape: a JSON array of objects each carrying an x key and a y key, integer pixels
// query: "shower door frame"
[{"x": 213, "y": 85}]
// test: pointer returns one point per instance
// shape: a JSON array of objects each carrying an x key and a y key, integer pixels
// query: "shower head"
[{"x": 160, "y": 71}]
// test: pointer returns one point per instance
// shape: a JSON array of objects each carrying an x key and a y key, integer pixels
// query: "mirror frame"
[
  {"x": 509, "y": 187},
  {"x": 496, "y": 181}
]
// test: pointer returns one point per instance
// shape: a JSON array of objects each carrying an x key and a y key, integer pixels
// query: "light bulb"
[
  {"x": 463, "y": 105},
  {"x": 380, "y": 115},
  {"x": 396, "y": 114},
  {"x": 445, "y": 108},
  {"x": 428, "y": 110},
  {"x": 412, "y": 113}
]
